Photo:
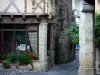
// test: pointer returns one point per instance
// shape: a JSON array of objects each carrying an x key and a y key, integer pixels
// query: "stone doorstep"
[
  {"x": 29, "y": 67},
  {"x": 98, "y": 72},
  {"x": 36, "y": 65}
]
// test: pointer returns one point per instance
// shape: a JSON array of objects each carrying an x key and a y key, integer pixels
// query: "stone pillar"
[
  {"x": 52, "y": 43},
  {"x": 87, "y": 51},
  {"x": 43, "y": 45},
  {"x": 97, "y": 60}
]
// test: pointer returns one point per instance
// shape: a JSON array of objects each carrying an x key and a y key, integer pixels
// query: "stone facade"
[
  {"x": 64, "y": 19},
  {"x": 97, "y": 60},
  {"x": 87, "y": 60},
  {"x": 46, "y": 60},
  {"x": 97, "y": 10},
  {"x": 33, "y": 12},
  {"x": 43, "y": 63}
]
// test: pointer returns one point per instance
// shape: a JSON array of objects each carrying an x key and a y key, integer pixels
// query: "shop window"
[
  {"x": 0, "y": 26},
  {"x": 20, "y": 40},
  {"x": 32, "y": 42},
  {"x": 8, "y": 26},
  {"x": 32, "y": 28},
  {"x": 8, "y": 41},
  {"x": 20, "y": 26}
]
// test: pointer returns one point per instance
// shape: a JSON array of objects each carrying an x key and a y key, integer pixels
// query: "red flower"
[
  {"x": 31, "y": 54},
  {"x": 2, "y": 61}
]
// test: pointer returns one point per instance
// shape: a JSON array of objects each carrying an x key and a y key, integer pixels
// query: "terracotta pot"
[
  {"x": 25, "y": 64},
  {"x": 6, "y": 67},
  {"x": 14, "y": 66}
]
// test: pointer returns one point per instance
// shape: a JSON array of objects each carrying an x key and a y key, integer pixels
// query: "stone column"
[
  {"x": 87, "y": 51},
  {"x": 43, "y": 45},
  {"x": 97, "y": 60}
]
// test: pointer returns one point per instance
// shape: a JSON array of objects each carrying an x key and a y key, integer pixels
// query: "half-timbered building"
[{"x": 28, "y": 25}]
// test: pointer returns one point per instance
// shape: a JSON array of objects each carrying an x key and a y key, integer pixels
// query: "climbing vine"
[
  {"x": 73, "y": 31},
  {"x": 97, "y": 29}
]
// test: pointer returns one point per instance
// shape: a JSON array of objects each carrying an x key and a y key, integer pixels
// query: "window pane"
[
  {"x": 0, "y": 26},
  {"x": 8, "y": 41},
  {"x": 8, "y": 26},
  {"x": 32, "y": 41},
  {"x": 21, "y": 40},
  {"x": 34, "y": 28},
  {"x": 20, "y": 26}
]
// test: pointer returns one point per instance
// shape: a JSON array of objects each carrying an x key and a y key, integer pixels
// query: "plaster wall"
[{"x": 31, "y": 6}]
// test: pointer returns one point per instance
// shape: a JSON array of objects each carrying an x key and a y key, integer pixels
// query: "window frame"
[{"x": 2, "y": 30}]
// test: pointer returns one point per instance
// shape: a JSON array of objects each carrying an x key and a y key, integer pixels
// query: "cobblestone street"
[{"x": 64, "y": 69}]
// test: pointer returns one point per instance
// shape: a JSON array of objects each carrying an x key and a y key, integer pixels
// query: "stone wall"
[
  {"x": 64, "y": 19},
  {"x": 46, "y": 57},
  {"x": 44, "y": 60},
  {"x": 97, "y": 60}
]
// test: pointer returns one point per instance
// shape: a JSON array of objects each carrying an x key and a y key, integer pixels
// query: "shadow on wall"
[
  {"x": 57, "y": 50},
  {"x": 70, "y": 54}
]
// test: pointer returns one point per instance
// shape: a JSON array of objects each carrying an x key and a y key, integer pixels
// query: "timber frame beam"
[{"x": 25, "y": 18}]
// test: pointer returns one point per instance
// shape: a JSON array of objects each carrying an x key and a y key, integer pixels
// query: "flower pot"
[
  {"x": 6, "y": 67},
  {"x": 14, "y": 66},
  {"x": 25, "y": 64}
]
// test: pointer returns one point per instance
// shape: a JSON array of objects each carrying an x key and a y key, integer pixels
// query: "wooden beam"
[
  {"x": 38, "y": 17},
  {"x": 25, "y": 7},
  {"x": 20, "y": 14},
  {"x": 12, "y": 17},
  {"x": 0, "y": 18},
  {"x": 24, "y": 17},
  {"x": 49, "y": 17}
]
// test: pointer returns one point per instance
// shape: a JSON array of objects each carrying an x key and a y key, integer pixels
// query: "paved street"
[{"x": 64, "y": 69}]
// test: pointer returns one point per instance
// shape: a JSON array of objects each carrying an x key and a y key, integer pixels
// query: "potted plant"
[
  {"x": 13, "y": 59},
  {"x": 33, "y": 55},
  {"x": 3, "y": 57},
  {"x": 24, "y": 59},
  {"x": 6, "y": 64}
]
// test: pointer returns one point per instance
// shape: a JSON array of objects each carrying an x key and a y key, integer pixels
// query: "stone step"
[{"x": 1, "y": 66}]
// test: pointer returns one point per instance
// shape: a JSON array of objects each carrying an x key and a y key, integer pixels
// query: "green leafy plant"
[
  {"x": 6, "y": 64},
  {"x": 33, "y": 55},
  {"x": 3, "y": 56},
  {"x": 24, "y": 58},
  {"x": 97, "y": 29},
  {"x": 13, "y": 57},
  {"x": 35, "y": 58},
  {"x": 73, "y": 31}
]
